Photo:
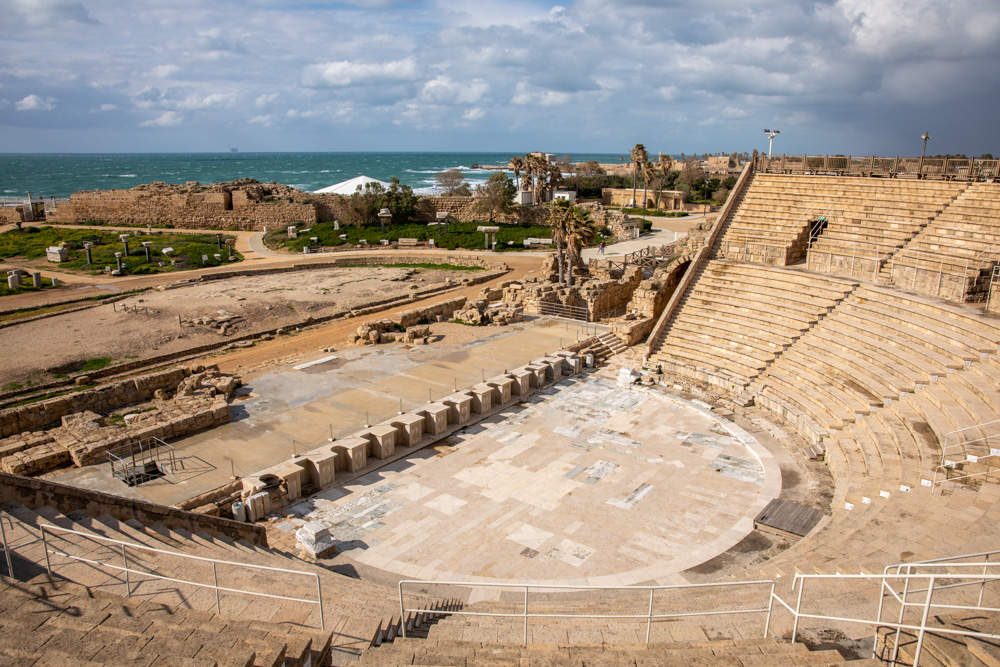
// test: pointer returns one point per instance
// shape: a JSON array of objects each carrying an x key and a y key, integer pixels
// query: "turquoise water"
[{"x": 62, "y": 174}]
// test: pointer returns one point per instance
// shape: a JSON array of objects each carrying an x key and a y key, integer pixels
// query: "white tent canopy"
[{"x": 349, "y": 187}]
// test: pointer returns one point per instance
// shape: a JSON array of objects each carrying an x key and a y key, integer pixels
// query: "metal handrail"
[
  {"x": 9, "y": 548},
  {"x": 46, "y": 528},
  {"x": 649, "y": 615},
  {"x": 926, "y": 606},
  {"x": 949, "y": 466},
  {"x": 947, "y": 437}
]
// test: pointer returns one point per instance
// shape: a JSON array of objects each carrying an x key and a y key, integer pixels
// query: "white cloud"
[
  {"x": 35, "y": 103},
  {"x": 166, "y": 119},
  {"x": 442, "y": 90},
  {"x": 345, "y": 73},
  {"x": 108, "y": 107},
  {"x": 163, "y": 71},
  {"x": 195, "y": 102},
  {"x": 524, "y": 96},
  {"x": 264, "y": 100},
  {"x": 265, "y": 120},
  {"x": 473, "y": 114}
]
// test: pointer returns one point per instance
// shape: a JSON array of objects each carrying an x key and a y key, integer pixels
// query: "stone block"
[
  {"x": 539, "y": 374},
  {"x": 352, "y": 453},
  {"x": 315, "y": 539},
  {"x": 460, "y": 407},
  {"x": 293, "y": 475},
  {"x": 503, "y": 388},
  {"x": 382, "y": 438},
  {"x": 435, "y": 418},
  {"x": 258, "y": 505},
  {"x": 572, "y": 363},
  {"x": 521, "y": 382},
  {"x": 409, "y": 429},
  {"x": 321, "y": 467},
  {"x": 482, "y": 398}
]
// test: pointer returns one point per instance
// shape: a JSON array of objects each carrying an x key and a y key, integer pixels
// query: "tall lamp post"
[
  {"x": 771, "y": 134},
  {"x": 920, "y": 168}
]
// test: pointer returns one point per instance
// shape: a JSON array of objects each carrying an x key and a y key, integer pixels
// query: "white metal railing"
[
  {"x": 954, "y": 439},
  {"x": 648, "y": 616},
  {"x": 958, "y": 271},
  {"x": 934, "y": 583},
  {"x": 860, "y": 251},
  {"x": 46, "y": 529},
  {"x": 560, "y": 310}
]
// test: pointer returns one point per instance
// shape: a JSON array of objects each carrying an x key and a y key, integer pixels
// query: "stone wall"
[
  {"x": 196, "y": 402},
  {"x": 10, "y": 215},
  {"x": 212, "y": 210},
  {"x": 108, "y": 397},
  {"x": 648, "y": 301},
  {"x": 37, "y": 493},
  {"x": 670, "y": 200}
]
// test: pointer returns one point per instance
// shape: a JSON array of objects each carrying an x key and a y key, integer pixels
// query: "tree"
[
  {"x": 693, "y": 175},
  {"x": 559, "y": 215},
  {"x": 363, "y": 206},
  {"x": 399, "y": 199},
  {"x": 453, "y": 183},
  {"x": 639, "y": 157},
  {"x": 496, "y": 196},
  {"x": 517, "y": 164},
  {"x": 648, "y": 170},
  {"x": 580, "y": 230}
]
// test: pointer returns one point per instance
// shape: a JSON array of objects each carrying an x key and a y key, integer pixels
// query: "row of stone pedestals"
[{"x": 418, "y": 427}]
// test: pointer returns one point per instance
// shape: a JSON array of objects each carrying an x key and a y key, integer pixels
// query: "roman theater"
[{"x": 775, "y": 441}]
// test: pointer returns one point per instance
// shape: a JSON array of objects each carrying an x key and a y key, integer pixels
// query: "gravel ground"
[{"x": 34, "y": 351}]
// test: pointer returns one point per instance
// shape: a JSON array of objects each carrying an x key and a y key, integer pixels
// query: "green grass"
[
  {"x": 460, "y": 235},
  {"x": 95, "y": 364},
  {"x": 26, "y": 286},
  {"x": 30, "y": 243}
]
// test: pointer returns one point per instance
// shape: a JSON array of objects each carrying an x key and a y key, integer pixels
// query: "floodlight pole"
[
  {"x": 920, "y": 169},
  {"x": 771, "y": 134}
]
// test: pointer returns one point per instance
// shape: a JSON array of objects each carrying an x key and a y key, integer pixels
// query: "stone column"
[
  {"x": 118, "y": 259},
  {"x": 86, "y": 248},
  {"x": 12, "y": 280},
  {"x": 36, "y": 280},
  {"x": 146, "y": 245}
]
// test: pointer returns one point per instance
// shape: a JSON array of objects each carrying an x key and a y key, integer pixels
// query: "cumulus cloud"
[
  {"x": 582, "y": 73},
  {"x": 35, "y": 103},
  {"x": 166, "y": 119},
  {"x": 346, "y": 73}
]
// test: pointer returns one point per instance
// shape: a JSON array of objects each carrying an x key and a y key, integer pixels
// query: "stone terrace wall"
[
  {"x": 46, "y": 413},
  {"x": 199, "y": 210},
  {"x": 35, "y": 493}
]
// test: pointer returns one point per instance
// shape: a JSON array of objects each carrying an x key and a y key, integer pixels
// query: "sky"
[{"x": 856, "y": 77}]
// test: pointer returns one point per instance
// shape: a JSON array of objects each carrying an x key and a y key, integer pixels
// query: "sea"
[{"x": 62, "y": 174}]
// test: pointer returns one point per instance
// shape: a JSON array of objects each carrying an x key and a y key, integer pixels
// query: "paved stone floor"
[
  {"x": 295, "y": 408},
  {"x": 590, "y": 483}
]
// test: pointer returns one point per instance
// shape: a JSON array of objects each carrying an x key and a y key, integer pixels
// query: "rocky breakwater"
[{"x": 199, "y": 399}]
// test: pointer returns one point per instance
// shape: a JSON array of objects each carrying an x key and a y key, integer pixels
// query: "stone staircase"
[
  {"x": 63, "y": 623},
  {"x": 355, "y": 612},
  {"x": 611, "y": 344},
  {"x": 940, "y": 649},
  {"x": 721, "y": 653}
]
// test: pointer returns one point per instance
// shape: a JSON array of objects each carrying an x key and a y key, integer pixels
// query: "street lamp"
[
  {"x": 920, "y": 168},
  {"x": 771, "y": 134}
]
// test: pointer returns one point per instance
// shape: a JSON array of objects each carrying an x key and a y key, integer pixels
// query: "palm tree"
[
  {"x": 639, "y": 157},
  {"x": 648, "y": 171},
  {"x": 580, "y": 230},
  {"x": 517, "y": 164},
  {"x": 559, "y": 215}
]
